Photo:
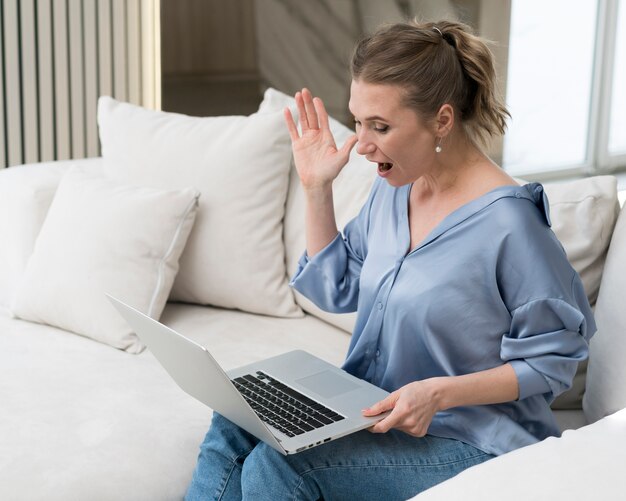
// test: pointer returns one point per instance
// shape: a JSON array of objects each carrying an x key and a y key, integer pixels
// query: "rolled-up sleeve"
[
  {"x": 547, "y": 340},
  {"x": 331, "y": 278}
]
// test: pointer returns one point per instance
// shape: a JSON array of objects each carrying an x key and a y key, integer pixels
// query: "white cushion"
[
  {"x": 102, "y": 237},
  {"x": 235, "y": 256},
  {"x": 583, "y": 214},
  {"x": 584, "y": 464},
  {"x": 606, "y": 375},
  {"x": 350, "y": 191},
  {"x": 26, "y": 192}
]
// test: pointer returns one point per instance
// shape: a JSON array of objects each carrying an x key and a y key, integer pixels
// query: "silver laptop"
[{"x": 292, "y": 401}]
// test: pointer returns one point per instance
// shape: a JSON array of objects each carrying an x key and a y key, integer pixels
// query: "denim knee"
[{"x": 267, "y": 474}]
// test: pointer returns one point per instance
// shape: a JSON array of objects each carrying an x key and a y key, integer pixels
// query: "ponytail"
[{"x": 436, "y": 63}]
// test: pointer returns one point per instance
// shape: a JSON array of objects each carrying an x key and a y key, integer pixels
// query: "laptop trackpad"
[{"x": 327, "y": 384}]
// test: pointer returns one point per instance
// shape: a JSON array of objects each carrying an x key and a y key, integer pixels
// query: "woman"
[{"x": 468, "y": 310}]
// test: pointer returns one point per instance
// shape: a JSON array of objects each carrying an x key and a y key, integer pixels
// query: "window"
[
  {"x": 617, "y": 130},
  {"x": 566, "y": 87}
]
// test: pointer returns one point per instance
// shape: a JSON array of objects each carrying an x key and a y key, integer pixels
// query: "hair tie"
[{"x": 447, "y": 37}]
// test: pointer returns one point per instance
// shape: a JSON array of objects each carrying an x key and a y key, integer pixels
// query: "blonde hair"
[{"x": 436, "y": 63}]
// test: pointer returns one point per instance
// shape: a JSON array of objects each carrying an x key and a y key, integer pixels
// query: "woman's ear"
[{"x": 444, "y": 120}]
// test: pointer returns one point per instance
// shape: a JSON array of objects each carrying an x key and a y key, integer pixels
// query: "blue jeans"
[{"x": 235, "y": 465}]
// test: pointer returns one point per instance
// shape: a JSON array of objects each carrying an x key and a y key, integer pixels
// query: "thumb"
[
  {"x": 348, "y": 145},
  {"x": 382, "y": 406}
]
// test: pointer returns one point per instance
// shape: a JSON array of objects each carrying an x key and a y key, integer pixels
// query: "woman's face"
[{"x": 391, "y": 134}]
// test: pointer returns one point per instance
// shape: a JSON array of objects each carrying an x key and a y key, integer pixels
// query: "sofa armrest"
[
  {"x": 26, "y": 192},
  {"x": 583, "y": 464}
]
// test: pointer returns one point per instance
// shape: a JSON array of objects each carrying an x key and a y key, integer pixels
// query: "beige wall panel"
[
  {"x": 77, "y": 78},
  {"x": 105, "y": 48},
  {"x": 61, "y": 81},
  {"x": 134, "y": 51},
  {"x": 57, "y": 57},
  {"x": 13, "y": 88},
  {"x": 120, "y": 64},
  {"x": 150, "y": 54},
  {"x": 29, "y": 81},
  {"x": 46, "y": 84},
  {"x": 90, "y": 47}
]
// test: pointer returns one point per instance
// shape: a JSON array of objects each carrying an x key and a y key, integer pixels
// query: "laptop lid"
[{"x": 194, "y": 369}]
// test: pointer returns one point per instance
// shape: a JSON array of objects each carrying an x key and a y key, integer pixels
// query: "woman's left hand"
[{"x": 412, "y": 409}]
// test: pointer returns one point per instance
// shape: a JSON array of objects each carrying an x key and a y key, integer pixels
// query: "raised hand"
[{"x": 317, "y": 159}]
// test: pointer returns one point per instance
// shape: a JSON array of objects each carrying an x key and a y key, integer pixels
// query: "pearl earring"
[{"x": 438, "y": 147}]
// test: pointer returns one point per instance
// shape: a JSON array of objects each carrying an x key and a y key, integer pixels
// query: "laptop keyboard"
[{"x": 283, "y": 407}]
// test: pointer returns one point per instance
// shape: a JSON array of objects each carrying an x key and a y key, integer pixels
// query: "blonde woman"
[{"x": 468, "y": 311}]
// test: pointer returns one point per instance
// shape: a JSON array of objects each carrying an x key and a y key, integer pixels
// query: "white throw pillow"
[
  {"x": 350, "y": 191},
  {"x": 583, "y": 214},
  {"x": 235, "y": 256},
  {"x": 606, "y": 375},
  {"x": 103, "y": 237},
  {"x": 26, "y": 192}
]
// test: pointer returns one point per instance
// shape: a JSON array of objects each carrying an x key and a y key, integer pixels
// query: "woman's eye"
[{"x": 381, "y": 128}]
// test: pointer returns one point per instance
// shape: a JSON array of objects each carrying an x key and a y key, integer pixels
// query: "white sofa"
[{"x": 81, "y": 419}]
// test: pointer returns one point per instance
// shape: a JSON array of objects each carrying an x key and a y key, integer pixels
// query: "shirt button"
[
  {"x": 379, "y": 306},
  {"x": 377, "y": 353},
  {"x": 518, "y": 194}
]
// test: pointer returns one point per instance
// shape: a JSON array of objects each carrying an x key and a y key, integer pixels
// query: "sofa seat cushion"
[
  {"x": 236, "y": 338},
  {"x": 583, "y": 464},
  {"x": 79, "y": 418}
]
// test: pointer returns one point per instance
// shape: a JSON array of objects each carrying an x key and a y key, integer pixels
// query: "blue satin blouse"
[{"x": 490, "y": 285}]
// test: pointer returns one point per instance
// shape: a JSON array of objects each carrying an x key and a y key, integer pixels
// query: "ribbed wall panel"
[
  {"x": 60, "y": 56},
  {"x": 77, "y": 78},
  {"x": 13, "y": 124},
  {"x": 90, "y": 52},
  {"x": 45, "y": 81},
  {"x": 120, "y": 59},
  {"x": 28, "y": 60},
  {"x": 57, "y": 57}
]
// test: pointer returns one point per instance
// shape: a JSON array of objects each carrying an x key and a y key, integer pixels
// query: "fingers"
[
  {"x": 321, "y": 113},
  {"x": 382, "y": 406},
  {"x": 291, "y": 124},
  {"x": 389, "y": 422},
  {"x": 307, "y": 110},
  {"x": 304, "y": 122},
  {"x": 310, "y": 109}
]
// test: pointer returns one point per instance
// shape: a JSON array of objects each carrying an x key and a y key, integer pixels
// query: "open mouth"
[{"x": 385, "y": 166}]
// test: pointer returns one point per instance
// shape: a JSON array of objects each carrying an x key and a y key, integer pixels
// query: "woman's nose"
[{"x": 364, "y": 146}]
